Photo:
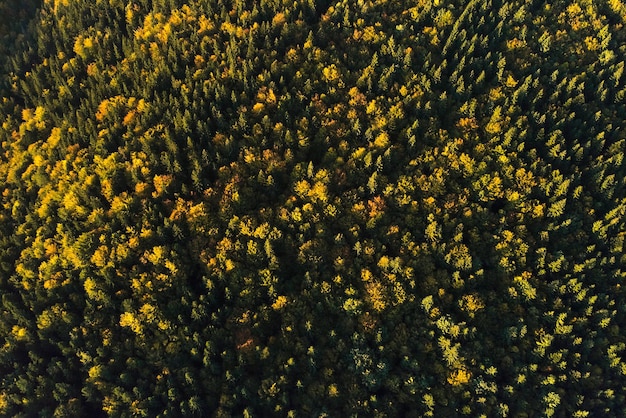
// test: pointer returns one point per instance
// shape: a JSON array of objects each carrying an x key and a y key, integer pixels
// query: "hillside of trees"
[{"x": 304, "y": 208}]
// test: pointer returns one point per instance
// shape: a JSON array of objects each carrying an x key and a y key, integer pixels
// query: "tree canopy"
[{"x": 364, "y": 208}]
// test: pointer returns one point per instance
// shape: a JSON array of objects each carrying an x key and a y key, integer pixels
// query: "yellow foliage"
[
  {"x": 91, "y": 288},
  {"x": 95, "y": 371},
  {"x": 358, "y": 153},
  {"x": 515, "y": 43},
  {"x": 33, "y": 119},
  {"x": 372, "y": 108},
  {"x": 382, "y": 140},
  {"x": 49, "y": 316},
  {"x": 278, "y": 19},
  {"x": 205, "y": 24},
  {"x": 495, "y": 123},
  {"x": 70, "y": 201},
  {"x": 318, "y": 192},
  {"x": 38, "y": 160},
  {"x": 525, "y": 179},
  {"x": 302, "y": 188},
  {"x": 228, "y": 28},
  {"x": 253, "y": 248},
  {"x": 55, "y": 137},
  {"x": 524, "y": 285},
  {"x": 129, "y": 118},
  {"x": 513, "y": 196},
  {"x": 292, "y": 55},
  {"x": 433, "y": 231},
  {"x": 444, "y": 18},
  {"x": 432, "y": 32},
  {"x": 271, "y": 97},
  {"x": 495, "y": 94},
  {"x": 229, "y": 265},
  {"x": 141, "y": 188},
  {"x": 258, "y": 107},
  {"x": 100, "y": 256},
  {"x": 224, "y": 245},
  {"x": 103, "y": 109},
  {"x": 468, "y": 163},
  {"x": 331, "y": 73},
  {"x": 142, "y": 106},
  {"x": 510, "y": 81},
  {"x": 129, "y": 320},
  {"x": 396, "y": 112},
  {"x": 618, "y": 8},
  {"x": 161, "y": 183},
  {"x": 459, "y": 377},
  {"x": 369, "y": 34},
  {"x": 120, "y": 202},
  {"x": 467, "y": 123},
  {"x": 57, "y": 3},
  {"x": 592, "y": 43},
  {"x": 3, "y": 403},
  {"x": 88, "y": 42},
  {"x": 79, "y": 47},
  {"x": 262, "y": 230},
  {"x": 50, "y": 248},
  {"x": 376, "y": 296},
  {"x": 494, "y": 186},
  {"x": 171, "y": 267},
  {"x": 471, "y": 303},
  {"x": 280, "y": 302},
  {"x": 296, "y": 215},
  {"x": 574, "y": 9},
  {"x": 196, "y": 212},
  {"x": 249, "y": 156},
  {"x": 20, "y": 333},
  {"x": 51, "y": 284},
  {"x": 156, "y": 255},
  {"x": 149, "y": 311}
]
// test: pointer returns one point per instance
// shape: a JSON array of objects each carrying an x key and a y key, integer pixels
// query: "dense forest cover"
[{"x": 305, "y": 208}]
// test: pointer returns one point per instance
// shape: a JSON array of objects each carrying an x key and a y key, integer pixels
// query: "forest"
[{"x": 312, "y": 208}]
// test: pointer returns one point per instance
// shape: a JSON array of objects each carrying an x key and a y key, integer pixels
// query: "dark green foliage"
[{"x": 305, "y": 208}]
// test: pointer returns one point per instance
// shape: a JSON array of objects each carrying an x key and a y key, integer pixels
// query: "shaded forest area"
[{"x": 308, "y": 208}]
